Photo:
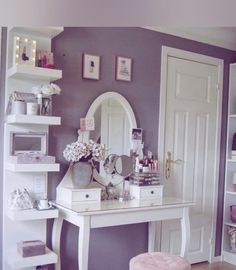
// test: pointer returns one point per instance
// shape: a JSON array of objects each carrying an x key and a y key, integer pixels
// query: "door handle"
[{"x": 168, "y": 163}]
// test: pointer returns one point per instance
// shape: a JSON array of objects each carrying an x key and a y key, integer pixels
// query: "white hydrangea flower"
[
  {"x": 77, "y": 150},
  {"x": 46, "y": 89}
]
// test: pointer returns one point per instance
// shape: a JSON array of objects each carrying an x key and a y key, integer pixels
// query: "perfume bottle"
[
  {"x": 39, "y": 59},
  {"x": 234, "y": 147}
]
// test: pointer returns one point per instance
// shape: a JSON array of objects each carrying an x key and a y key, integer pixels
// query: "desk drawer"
[
  {"x": 146, "y": 192},
  {"x": 86, "y": 195},
  {"x": 75, "y": 195}
]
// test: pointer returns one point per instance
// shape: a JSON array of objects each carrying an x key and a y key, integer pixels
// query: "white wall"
[{"x": 2, "y": 98}]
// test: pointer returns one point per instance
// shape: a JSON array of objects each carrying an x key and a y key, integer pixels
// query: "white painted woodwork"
[
  {"x": 32, "y": 214},
  {"x": 191, "y": 134},
  {"x": 31, "y": 224},
  {"x": 34, "y": 73},
  {"x": 33, "y": 119},
  {"x": 219, "y": 36},
  {"x": 76, "y": 195},
  {"x": 230, "y": 169},
  {"x": 44, "y": 32},
  {"x": 17, "y": 262},
  {"x": 54, "y": 167},
  {"x": 114, "y": 213},
  {"x": 147, "y": 192}
]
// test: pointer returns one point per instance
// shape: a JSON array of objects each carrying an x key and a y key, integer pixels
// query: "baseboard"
[{"x": 217, "y": 259}]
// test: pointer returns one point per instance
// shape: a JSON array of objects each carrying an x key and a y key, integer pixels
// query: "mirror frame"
[{"x": 123, "y": 101}]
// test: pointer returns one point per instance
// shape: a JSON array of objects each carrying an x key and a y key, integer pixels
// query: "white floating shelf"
[
  {"x": 34, "y": 73},
  {"x": 50, "y": 32},
  {"x": 230, "y": 192},
  {"x": 55, "y": 167},
  {"x": 32, "y": 214},
  {"x": 231, "y": 160},
  {"x": 229, "y": 257},
  {"x": 230, "y": 224},
  {"x": 33, "y": 119},
  {"x": 18, "y": 262},
  {"x": 232, "y": 116}
]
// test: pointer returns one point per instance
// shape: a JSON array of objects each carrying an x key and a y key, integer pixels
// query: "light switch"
[{"x": 40, "y": 183}]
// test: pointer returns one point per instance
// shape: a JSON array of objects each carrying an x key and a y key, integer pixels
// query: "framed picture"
[
  {"x": 137, "y": 134},
  {"x": 24, "y": 51},
  {"x": 123, "y": 69},
  {"x": 87, "y": 124},
  {"x": 91, "y": 66}
]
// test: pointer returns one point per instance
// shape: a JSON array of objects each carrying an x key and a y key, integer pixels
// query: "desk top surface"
[{"x": 115, "y": 206}]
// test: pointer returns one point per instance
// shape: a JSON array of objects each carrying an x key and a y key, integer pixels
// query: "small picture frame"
[
  {"x": 137, "y": 134},
  {"x": 87, "y": 124},
  {"x": 24, "y": 51},
  {"x": 91, "y": 67},
  {"x": 123, "y": 68}
]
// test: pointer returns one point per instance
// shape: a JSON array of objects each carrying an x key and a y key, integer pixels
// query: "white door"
[{"x": 190, "y": 136}]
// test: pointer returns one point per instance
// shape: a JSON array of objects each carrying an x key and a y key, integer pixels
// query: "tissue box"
[{"x": 31, "y": 248}]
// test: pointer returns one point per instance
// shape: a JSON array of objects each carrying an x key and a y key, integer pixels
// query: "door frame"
[{"x": 219, "y": 63}]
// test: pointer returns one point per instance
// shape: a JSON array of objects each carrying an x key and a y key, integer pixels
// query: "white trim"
[
  {"x": 216, "y": 259},
  {"x": 168, "y": 51},
  {"x": 118, "y": 97},
  {"x": 217, "y": 36}
]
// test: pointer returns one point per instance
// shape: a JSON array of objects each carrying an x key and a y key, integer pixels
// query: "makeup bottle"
[{"x": 39, "y": 60}]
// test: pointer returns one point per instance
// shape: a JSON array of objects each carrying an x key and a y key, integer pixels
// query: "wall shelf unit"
[
  {"x": 31, "y": 223},
  {"x": 34, "y": 73},
  {"x": 55, "y": 167},
  {"x": 230, "y": 168},
  {"x": 17, "y": 262},
  {"x": 33, "y": 119},
  {"x": 32, "y": 214}
]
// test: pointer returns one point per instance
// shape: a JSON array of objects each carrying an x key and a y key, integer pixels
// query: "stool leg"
[{"x": 151, "y": 236}]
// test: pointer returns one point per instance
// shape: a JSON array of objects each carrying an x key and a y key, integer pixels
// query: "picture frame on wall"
[
  {"x": 24, "y": 51},
  {"x": 123, "y": 68},
  {"x": 91, "y": 67},
  {"x": 137, "y": 134}
]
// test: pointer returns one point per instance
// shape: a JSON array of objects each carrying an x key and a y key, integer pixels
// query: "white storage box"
[
  {"x": 146, "y": 192},
  {"x": 32, "y": 159},
  {"x": 75, "y": 195}
]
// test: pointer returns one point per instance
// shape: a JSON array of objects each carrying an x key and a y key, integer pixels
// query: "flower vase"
[{"x": 81, "y": 173}]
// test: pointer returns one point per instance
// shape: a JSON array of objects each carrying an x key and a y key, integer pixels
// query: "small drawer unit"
[
  {"x": 146, "y": 192},
  {"x": 76, "y": 195}
]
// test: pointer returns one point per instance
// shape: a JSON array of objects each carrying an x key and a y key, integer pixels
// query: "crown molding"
[{"x": 224, "y": 37}]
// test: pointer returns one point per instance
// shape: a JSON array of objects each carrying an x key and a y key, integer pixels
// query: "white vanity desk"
[{"x": 113, "y": 213}]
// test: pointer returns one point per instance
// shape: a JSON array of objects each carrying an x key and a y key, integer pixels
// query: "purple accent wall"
[{"x": 111, "y": 248}]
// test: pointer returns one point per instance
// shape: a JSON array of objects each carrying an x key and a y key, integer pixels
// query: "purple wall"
[{"x": 113, "y": 247}]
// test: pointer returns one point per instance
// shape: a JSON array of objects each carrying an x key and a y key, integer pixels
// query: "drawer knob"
[
  {"x": 86, "y": 196},
  {"x": 152, "y": 192}
]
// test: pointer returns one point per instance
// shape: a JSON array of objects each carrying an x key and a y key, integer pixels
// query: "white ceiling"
[{"x": 220, "y": 36}]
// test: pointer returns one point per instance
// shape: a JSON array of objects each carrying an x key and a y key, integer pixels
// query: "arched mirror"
[{"x": 114, "y": 121}]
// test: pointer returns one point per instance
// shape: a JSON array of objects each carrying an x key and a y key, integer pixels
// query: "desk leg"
[
  {"x": 151, "y": 236},
  {"x": 185, "y": 230},
  {"x": 56, "y": 240},
  {"x": 83, "y": 252}
]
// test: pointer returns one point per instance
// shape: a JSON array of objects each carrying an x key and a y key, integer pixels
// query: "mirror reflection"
[
  {"x": 124, "y": 166},
  {"x": 112, "y": 127},
  {"x": 114, "y": 119}
]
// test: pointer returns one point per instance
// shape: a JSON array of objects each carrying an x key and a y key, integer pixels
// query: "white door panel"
[
  {"x": 115, "y": 133},
  {"x": 190, "y": 135}
]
